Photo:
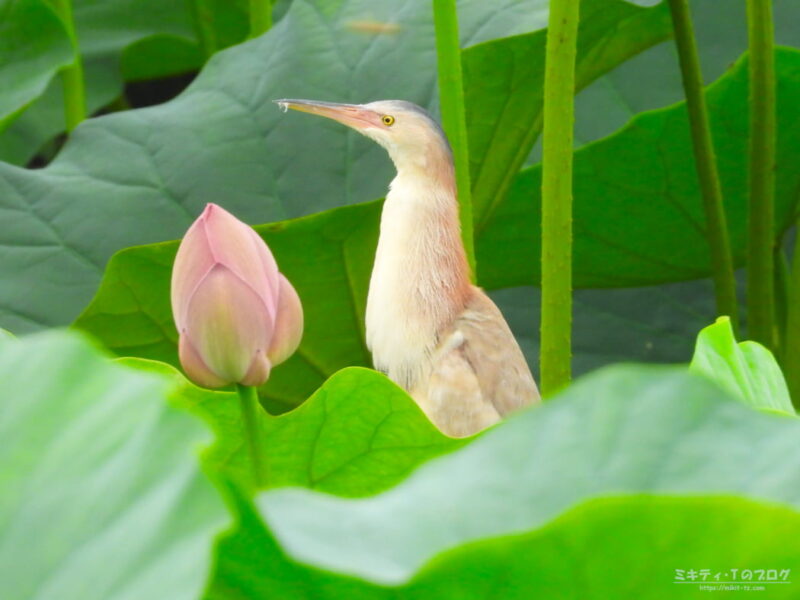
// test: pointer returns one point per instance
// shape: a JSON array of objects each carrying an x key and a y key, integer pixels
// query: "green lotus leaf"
[{"x": 103, "y": 497}]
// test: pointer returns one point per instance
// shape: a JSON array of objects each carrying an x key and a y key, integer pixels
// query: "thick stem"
[
  {"x": 72, "y": 75},
  {"x": 559, "y": 116},
  {"x": 451, "y": 99},
  {"x": 260, "y": 17},
  {"x": 761, "y": 240},
  {"x": 705, "y": 163},
  {"x": 204, "y": 23},
  {"x": 251, "y": 409},
  {"x": 791, "y": 347},
  {"x": 781, "y": 297}
]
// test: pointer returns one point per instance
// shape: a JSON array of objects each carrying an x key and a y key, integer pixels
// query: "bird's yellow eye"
[{"x": 388, "y": 120}]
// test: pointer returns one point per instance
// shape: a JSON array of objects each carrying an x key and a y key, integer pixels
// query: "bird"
[{"x": 429, "y": 329}]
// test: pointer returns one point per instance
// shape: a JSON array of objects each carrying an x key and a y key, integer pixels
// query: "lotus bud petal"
[
  {"x": 194, "y": 366},
  {"x": 288, "y": 325},
  {"x": 226, "y": 301}
]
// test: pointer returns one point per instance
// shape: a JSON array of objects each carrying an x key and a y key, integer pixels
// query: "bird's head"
[{"x": 412, "y": 138}]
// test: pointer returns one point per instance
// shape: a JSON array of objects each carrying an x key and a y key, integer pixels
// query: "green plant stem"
[
  {"x": 260, "y": 17},
  {"x": 559, "y": 116},
  {"x": 451, "y": 100},
  {"x": 251, "y": 409},
  {"x": 72, "y": 75},
  {"x": 705, "y": 163},
  {"x": 204, "y": 20},
  {"x": 781, "y": 297},
  {"x": 791, "y": 346},
  {"x": 761, "y": 237}
]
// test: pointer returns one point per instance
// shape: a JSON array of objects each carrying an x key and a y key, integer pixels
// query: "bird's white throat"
[{"x": 420, "y": 278}]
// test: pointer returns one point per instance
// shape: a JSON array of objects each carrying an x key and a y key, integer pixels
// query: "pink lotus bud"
[{"x": 237, "y": 316}]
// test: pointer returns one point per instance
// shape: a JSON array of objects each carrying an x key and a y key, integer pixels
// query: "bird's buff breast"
[{"x": 408, "y": 301}]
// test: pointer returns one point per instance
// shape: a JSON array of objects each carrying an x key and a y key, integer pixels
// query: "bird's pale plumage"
[
  {"x": 429, "y": 329},
  {"x": 478, "y": 372}
]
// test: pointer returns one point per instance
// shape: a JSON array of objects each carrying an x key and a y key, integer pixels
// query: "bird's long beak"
[{"x": 352, "y": 115}]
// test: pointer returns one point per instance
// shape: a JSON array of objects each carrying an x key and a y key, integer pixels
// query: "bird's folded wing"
[
  {"x": 494, "y": 355},
  {"x": 478, "y": 372},
  {"x": 453, "y": 399}
]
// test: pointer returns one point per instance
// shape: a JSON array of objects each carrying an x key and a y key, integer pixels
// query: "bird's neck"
[
  {"x": 422, "y": 208},
  {"x": 420, "y": 281}
]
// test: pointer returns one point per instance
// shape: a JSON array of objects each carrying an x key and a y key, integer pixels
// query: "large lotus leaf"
[
  {"x": 745, "y": 369},
  {"x": 102, "y": 495},
  {"x": 357, "y": 435},
  {"x": 622, "y": 430},
  {"x": 651, "y": 543},
  {"x": 33, "y": 47},
  {"x": 142, "y": 176},
  {"x": 505, "y": 81},
  {"x": 652, "y": 540},
  {"x": 632, "y": 460},
  {"x": 638, "y": 215}
]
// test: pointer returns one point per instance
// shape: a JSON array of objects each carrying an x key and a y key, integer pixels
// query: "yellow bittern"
[{"x": 429, "y": 329}]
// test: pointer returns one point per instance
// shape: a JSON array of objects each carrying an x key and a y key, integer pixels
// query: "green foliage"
[
  {"x": 597, "y": 439},
  {"x": 558, "y": 125},
  {"x": 761, "y": 175},
  {"x": 117, "y": 38},
  {"x": 138, "y": 39},
  {"x": 504, "y": 85},
  {"x": 620, "y": 239},
  {"x": 646, "y": 324},
  {"x": 451, "y": 100},
  {"x": 646, "y": 538},
  {"x": 102, "y": 496},
  {"x": 33, "y": 47},
  {"x": 223, "y": 140},
  {"x": 623, "y": 468},
  {"x": 357, "y": 435},
  {"x": 638, "y": 213},
  {"x": 746, "y": 369}
]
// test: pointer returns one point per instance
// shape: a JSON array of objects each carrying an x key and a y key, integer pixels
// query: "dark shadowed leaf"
[{"x": 654, "y": 324}]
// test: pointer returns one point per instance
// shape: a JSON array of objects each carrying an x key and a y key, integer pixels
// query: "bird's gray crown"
[{"x": 405, "y": 105}]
